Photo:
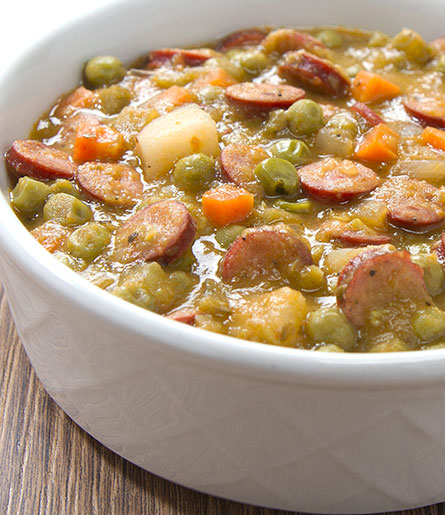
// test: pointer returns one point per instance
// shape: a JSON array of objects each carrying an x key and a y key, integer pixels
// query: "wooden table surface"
[{"x": 51, "y": 466}]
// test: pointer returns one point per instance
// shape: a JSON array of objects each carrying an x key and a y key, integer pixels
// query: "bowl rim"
[{"x": 275, "y": 363}]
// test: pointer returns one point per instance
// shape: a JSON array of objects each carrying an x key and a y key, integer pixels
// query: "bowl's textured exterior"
[{"x": 277, "y": 427}]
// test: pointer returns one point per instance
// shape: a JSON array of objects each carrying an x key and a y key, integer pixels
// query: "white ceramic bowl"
[{"x": 278, "y": 427}]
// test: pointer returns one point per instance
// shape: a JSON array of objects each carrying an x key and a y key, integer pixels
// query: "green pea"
[
  {"x": 276, "y": 122},
  {"x": 253, "y": 61},
  {"x": 329, "y": 325},
  {"x": 293, "y": 150},
  {"x": 66, "y": 210},
  {"x": 194, "y": 172},
  {"x": 227, "y": 235},
  {"x": 114, "y": 99},
  {"x": 181, "y": 282},
  {"x": 330, "y": 38},
  {"x": 429, "y": 324},
  {"x": 433, "y": 272},
  {"x": 148, "y": 286},
  {"x": 29, "y": 195},
  {"x": 103, "y": 70},
  {"x": 277, "y": 176},
  {"x": 343, "y": 122},
  {"x": 305, "y": 117},
  {"x": 64, "y": 186},
  {"x": 88, "y": 241},
  {"x": 299, "y": 207}
]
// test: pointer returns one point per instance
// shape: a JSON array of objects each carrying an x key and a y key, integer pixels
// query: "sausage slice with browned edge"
[
  {"x": 178, "y": 56},
  {"x": 161, "y": 232},
  {"x": 428, "y": 111},
  {"x": 412, "y": 204},
  {"x": 238, "y": 162},
  {"x": 376, "y": 278},
  {"x": 241, "y": 38},
  {"x": 35, "y": 159},
  {"x": 264, "y": 251},
  {"x": 263, "y": 96},
  {"x": 285, "y": 40},
  {"x": 367, "y": 113},
  {"x": 184, "y": 315},
  {"x": 313, "y": 72},
  {"x": 335, "y": 180},
  {"x": 350, "y": 236},
  {"x": 114, "y": 183}
]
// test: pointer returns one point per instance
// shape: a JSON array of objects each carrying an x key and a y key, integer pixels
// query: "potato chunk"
[
  {"x": 184, "y": 131},
  {"x": 275, "y": 317}
]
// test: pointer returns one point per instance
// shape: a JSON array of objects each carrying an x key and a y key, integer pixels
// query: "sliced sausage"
[
  {"x": 263, "y": 96},
  {"x": 160, "y": 232},
  {"x": 286, "y": 40},
  {"x": 367, "y": 113},
  {"x": 335, "y": 180},
  {"x": 33, "y": 158},
  {"x": 178, "y": 56},
  {"x": 376, "y": 278},
  {"x": 428, "y": 111},
  {"x": 242, "y": 38},
  {"x": 412, "y": 204},
  {"x": 238, "y": 163},
  {"x": 114, "y": 183},
  {"x": 344, "y": 232},
  {"x": 185, "y": 315},
  {"x": 264, "y": 251},
  {"x": 315, "y": 73}
]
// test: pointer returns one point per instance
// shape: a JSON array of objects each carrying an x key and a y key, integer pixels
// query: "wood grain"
[{"x": 51, "y": 466}]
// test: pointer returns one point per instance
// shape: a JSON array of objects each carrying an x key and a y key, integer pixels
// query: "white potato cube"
[{"x": 186, "y": 130}]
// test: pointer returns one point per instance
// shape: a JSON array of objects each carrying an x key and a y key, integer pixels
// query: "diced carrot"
[
  {"x": 51, "y": 235},
  {"x": 97, "y": 141},
  {"x": 214, "y": 77},
  {"x": 171, "y": 98},
  {"x": 77, "y": 99},
  {"x": 372, "y": 87},
  {"x": 434, "y": 137},
  {"x": 227, "y": 204},
  {"x": 379, "y": 144}
]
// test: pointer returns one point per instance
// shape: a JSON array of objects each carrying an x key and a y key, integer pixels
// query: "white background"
[{"x": 23, "y": 21}]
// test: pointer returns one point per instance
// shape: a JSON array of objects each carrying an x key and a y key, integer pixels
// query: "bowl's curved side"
[
  {"x": 278, "y": 427},
  {"x": 231, "y": 434}
]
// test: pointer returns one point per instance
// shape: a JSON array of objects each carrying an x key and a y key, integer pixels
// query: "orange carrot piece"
[
  {"x": 434, "y": 137},
  {"x": 227, "y": 204},
  {"x": 97, "y": 141},
  {"x": 214, "y": 77},
  {"x": 51, "y": 235},
  {"x": 77, "y": 99},
  {"x": 172, "y": 97},
  {"x": 372, "y": 87},
  {"x": 379, "y": 144}
]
